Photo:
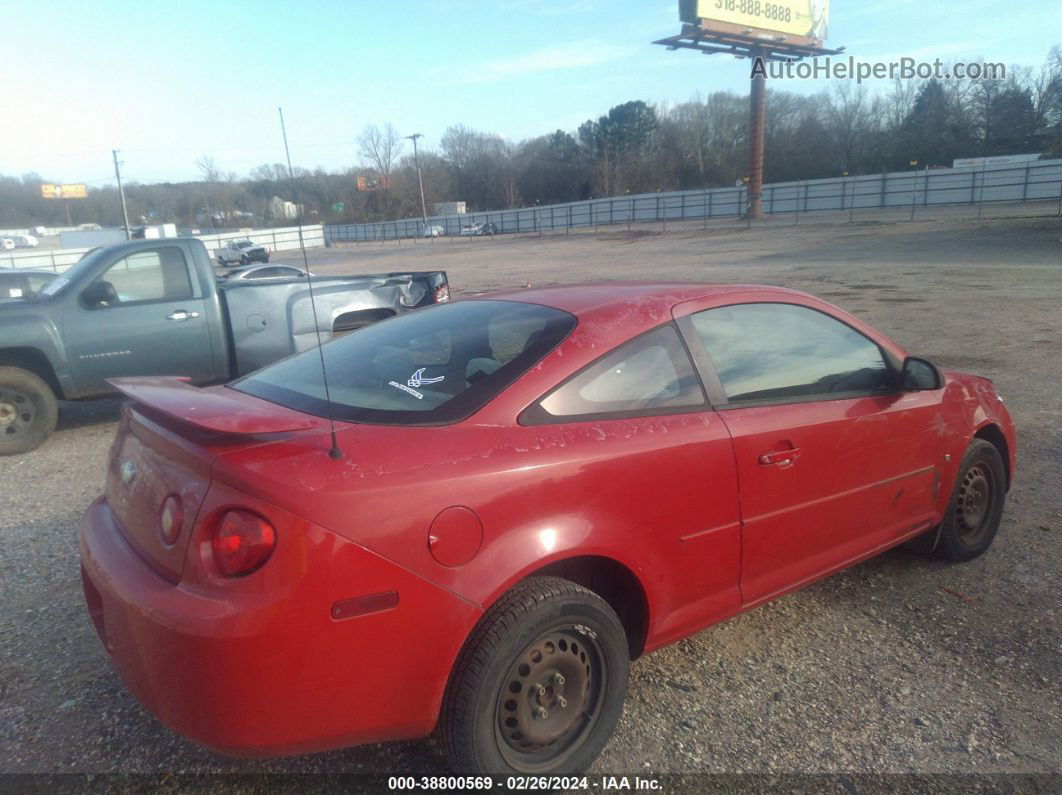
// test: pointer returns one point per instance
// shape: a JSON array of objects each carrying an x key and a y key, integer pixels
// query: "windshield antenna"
[{"x": 335, "y": 452}]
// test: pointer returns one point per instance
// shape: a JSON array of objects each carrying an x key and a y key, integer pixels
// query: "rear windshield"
[{"x": 434, "y": 365}]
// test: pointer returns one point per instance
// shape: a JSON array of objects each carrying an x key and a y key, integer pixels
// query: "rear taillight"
[
  {"x": 243, "y": 541},
  {"x": 442, "y": 294},
  {"x": 171, "y": 519}
]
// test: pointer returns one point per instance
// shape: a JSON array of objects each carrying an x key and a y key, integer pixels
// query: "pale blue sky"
[{"x": 168, "y": 82}]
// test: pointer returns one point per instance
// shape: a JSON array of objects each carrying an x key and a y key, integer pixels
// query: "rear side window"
[
  {"x": 785, "y": 352},
  {"x": 648, "y": 375},
  {"x": 434, "y": 365}
]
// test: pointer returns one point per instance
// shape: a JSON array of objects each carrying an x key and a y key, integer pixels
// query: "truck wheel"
[
  {"x": 976, "y": 505},
  {"x": 539, "y": 685},
  {"x": 28, "y": 411}
]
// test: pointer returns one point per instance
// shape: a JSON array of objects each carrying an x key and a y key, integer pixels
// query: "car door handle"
[
  {"x": 782, "y": 458},
  {"x": 181, "y": 314}
]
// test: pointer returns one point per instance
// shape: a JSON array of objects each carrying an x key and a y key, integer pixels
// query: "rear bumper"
[{"x": 262, "y": 669}]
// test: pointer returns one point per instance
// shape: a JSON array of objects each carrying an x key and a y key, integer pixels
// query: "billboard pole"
[
  {"x": 757, "y": 122},
  {"x": 791, "y": 30}
]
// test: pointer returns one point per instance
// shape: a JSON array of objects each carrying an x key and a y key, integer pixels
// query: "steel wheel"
[
  {"x": 974, "y": 504},
  {"x": 551, "y": 698},
  {"x": 28, "y": 411},
  {"x": 539, "y": 684},
  {"x": 17, "y": 412}
]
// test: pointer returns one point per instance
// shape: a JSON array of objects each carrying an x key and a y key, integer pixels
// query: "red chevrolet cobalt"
[{"x": 524, "y": 492}]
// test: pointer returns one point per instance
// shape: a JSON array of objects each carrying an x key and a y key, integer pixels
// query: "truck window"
[{"x": 150, "y": 275}]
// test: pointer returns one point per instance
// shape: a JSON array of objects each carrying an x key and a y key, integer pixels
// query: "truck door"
[{"x": 144, "y": 315}]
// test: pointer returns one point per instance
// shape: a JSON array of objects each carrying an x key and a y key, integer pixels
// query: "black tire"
[
  {"x": 244, "y": 261},
  {"x": 28, "y": 411},
  {"x": 266, "y": 258},
  {"x": 506, "y": 711},
  {"x": 976, "y": 505}
]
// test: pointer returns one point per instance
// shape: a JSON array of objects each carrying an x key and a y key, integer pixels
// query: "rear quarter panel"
[{"x": 657, "y": 495}]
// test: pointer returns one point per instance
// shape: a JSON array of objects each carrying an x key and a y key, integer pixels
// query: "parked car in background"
[
  {"x": 155, "y": 307},
  {"x": 16, "y": 284},
  {"x": 479, "y": 230},
  {"x": 260, "y": 272},
  {"x": 6, "y": 244},
  {"x": 242, "y": 252},
  {"x": 433, "y": 231},
  {"x": 522, "y": 492},
  {"x": 25, "y": 241}
]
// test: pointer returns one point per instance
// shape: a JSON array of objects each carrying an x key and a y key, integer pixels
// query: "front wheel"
[
  {"x": 976, "y": 505},
  {"x": 28, "y": 411},
  {"x": 540, "y": 684}
]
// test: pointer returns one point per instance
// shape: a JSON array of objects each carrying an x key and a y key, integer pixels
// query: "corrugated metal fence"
[
  {"x": 60, "y": 259},
  {"x": 1037, "y": 181}
]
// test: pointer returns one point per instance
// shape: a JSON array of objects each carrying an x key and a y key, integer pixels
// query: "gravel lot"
[{"x": 899, "y": 665}]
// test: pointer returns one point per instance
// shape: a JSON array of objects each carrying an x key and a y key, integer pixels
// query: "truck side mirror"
[
  {"x": 99, "y": 295},
  {"x": 919, "y": 375}
]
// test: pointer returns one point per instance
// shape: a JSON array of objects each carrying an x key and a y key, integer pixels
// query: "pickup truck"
[
  {"x": 241, "y": 252},
  {"x": 156, "y": 307}
]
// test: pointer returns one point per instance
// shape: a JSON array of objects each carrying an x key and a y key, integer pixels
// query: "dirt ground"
[{"x": 900, "y": 665}]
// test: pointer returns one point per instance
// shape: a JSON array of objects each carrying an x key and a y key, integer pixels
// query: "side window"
[
  {"x": 11, "y": 285},
  {"x": 650, "y": 373},
  {"x": 782, "y": 351},
  {"x": 35, "y": 282},
  {"x": 149, "y": 275}
]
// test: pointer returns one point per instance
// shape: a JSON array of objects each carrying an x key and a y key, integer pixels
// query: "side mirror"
[
  {"x": 99, "y": 295},
  {"x": 919, "y": 375}
]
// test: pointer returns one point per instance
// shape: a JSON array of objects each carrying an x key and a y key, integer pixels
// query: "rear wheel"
[
  {"x": 28, "y": 411},
  {"x": 539, "y": 685},
  {"x": 976, "y": 506}
]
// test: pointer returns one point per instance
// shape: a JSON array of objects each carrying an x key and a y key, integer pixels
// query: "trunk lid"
[
  {"x": 166, "y": 445},
  {"x": 148, "y": 463}
]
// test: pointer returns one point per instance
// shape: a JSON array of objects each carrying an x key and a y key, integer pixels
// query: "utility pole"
[
  {"x": 121, "y": 192},
  {"x": 420, "y": 179}
]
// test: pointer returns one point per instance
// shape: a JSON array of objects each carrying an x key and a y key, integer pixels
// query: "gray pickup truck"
[{"x": 153, "y": 307}]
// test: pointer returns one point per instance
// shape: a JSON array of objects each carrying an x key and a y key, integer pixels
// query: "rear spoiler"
[{"x": 217, "y": 409}]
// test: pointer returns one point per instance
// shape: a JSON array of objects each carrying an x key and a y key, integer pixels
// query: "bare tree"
[
  {"x": 849, "y": 114},
  {"x": 380, "y": 148},
  {"x": 208, "y": 168}
]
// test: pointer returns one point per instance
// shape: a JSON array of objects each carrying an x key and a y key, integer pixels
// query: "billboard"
[
  {"x": 808, "y": 18},
  {"x": 372, "y": 183},
  {"x": 49, "y": 191}
]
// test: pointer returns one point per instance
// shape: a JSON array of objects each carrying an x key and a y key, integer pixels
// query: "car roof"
[{"x": 586, "y": 299}]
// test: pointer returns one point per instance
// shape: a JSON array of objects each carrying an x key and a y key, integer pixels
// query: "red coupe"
[{"x": 523, "y": 493}]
